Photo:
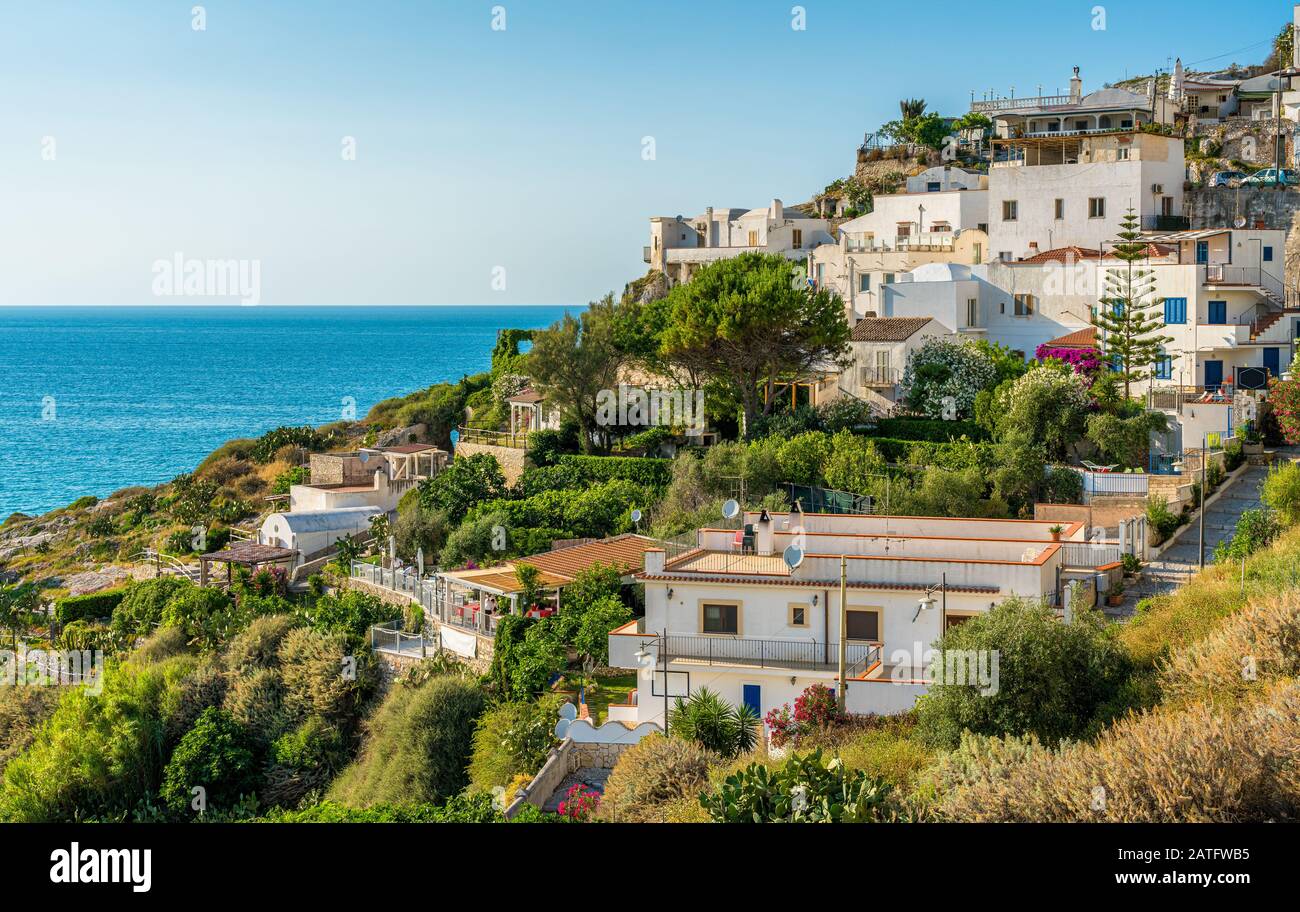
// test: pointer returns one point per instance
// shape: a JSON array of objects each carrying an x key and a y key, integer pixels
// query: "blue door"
[
  {"x": 1202, "y": 252},
  {"x": 1218, "y": 313},
  {"x": 1273, "y": 361},
  {"x": 753, "y": 698},
  {"x": 1213, "y": 374}
]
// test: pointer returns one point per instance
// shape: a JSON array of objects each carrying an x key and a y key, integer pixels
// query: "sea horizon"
[{"x": 78, "y": 415}]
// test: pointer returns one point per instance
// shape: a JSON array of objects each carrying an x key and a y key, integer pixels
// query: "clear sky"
[{"x": 479, "y": 148}]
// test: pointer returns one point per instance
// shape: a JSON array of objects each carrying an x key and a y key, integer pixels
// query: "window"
[
  {"x": 864, "y": 281},
  {"x": 821, "y": 274},
  {"x": 1060, "y": 209},
  {"x": 720, "y": 618},
  {"x": 1122, "y": 155},
  {"x": 889, "y": 279},
  {"x": 1097, "y": 207},
  {"x": 798, "y": 615},
  {"x": 972, "y": 311},
  {"x": 1164, "y": 368},
  {"x": 1010, "y": 210},
  {"x": 798, "y": 238},
  {"x": 863, "y": 624},
  {"x": 1175, "y": 311},
  {"x": 1024, "y": 305},
  {"x": 933, "y": 187},
  {"x": 1268, "y": 254},
  {"x": 978, "y": 256}
]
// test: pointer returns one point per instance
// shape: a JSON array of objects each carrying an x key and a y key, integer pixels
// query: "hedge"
[
  {"x": 953, "y": 456},
  {"x": 930, "y": 430},
  {"x": 89, "y": 607},
  {"x": 642, "y": 470}
]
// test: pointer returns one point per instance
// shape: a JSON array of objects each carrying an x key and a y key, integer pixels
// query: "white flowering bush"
[
  {"x": 1048, "y": 406},
  {"x": 943, "y": 377}
]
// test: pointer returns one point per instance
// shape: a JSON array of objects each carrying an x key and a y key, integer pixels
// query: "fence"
[
  {"x": 391, "y": 638},
  {"x": 1089, "y": 555},
  {"x": 795, "y": 654},
  {"x": 493, "y": 438},
  {"x": 1114, "y": 483}
]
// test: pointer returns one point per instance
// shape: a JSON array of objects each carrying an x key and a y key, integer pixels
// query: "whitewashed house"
[
  {"x": 1076, "y": 113},
  {"x": 744, "y": 624},
  {"x": 942, "y": 178},
  {"x": 680, "y": 246},
  {"x": 1050, "y": 192},
  {"x": 881, "y": 347}
]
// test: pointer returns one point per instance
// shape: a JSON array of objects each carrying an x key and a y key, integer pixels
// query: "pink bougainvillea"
[
  {"x": 579, "y": 803},
  {"x": 1083, "y": 360}
]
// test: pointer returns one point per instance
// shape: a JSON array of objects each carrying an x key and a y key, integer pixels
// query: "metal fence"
[
  {"x": 761, "y": 653},
  {"x": 1090, "y": 555}
]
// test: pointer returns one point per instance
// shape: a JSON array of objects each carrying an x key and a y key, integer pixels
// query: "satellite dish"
[
  {"x": 793, "y": 557},
  {"x": 1239, "y": 222},
  {"x": 364, "y": 456},
  {"x": 636, "y": 516},
  {"x": 731, "y": 509}
]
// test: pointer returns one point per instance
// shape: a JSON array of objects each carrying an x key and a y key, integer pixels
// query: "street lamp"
[
  {"x": 641, "y": 655},
  {"x": 928, "y": 601}
]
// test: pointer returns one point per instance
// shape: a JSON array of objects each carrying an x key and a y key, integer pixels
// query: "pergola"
[{"x": 247, "y": 554}]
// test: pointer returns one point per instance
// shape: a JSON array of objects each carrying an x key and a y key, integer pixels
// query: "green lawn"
[{"x": 607, "y": 689}]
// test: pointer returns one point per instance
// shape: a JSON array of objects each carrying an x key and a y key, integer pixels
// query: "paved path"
[{"x": 1181, "y": 561}]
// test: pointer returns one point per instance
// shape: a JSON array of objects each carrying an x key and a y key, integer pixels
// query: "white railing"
[
  {"x": 1016, "y": 104},
  {"x": 1115, "y": 483}
]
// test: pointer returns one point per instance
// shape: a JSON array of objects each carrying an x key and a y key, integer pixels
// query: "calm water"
[{"x": 95, "y": 399}]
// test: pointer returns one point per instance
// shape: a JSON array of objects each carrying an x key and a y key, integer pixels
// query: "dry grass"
[{"x": 653, "y": 774}]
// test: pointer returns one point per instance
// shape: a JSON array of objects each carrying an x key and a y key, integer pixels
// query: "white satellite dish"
[
  {"x": 731, "y": 509},
  {"x": 793, "y": 557},
  {"x": 1239, "y": 222},
  {"x": 636, "y": 516},
  {"x": 363, "y": 456}
]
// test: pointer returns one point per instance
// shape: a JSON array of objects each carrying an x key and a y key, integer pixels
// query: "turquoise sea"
[{"x": 93, "y": 399}]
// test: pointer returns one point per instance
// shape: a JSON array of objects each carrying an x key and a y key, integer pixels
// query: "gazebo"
[{"x": 248, "y": 554}]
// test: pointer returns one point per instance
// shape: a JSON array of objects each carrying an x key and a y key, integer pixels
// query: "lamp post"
[
  {"x": 1205, "y": 458},
  {"x": 641, "y": 655}
]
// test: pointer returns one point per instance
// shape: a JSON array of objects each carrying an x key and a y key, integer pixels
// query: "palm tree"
[
  {"x": 911, "y": 108},
  {"x": 714, "y": 724}
]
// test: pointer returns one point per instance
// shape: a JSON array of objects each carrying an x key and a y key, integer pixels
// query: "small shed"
[{"x": 311, "y": 532}]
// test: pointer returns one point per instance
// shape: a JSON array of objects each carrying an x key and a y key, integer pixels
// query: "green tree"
[
  {"x": 17, "y": 603},
  {"x": 714, "y": 724},
  {"x": 1052, "y": 678},
  {"x": 744, "y": 323},
  {"x": 1125, "y": 441},
  {"x": 1126, "y": 321},
  {"x": 576, "y": 360},
  {"x": 1046, "y": 405},
  {"x": 467, "y": 481},
  {"x": 216, "y": 756}
]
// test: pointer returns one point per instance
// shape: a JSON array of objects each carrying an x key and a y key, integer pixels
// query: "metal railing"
[
  {"x": 1016, "y": 104},
  {"x": 1245, "y": 276},
  {"x": 740, "y": 561},
  {"x": 1166, "y": 223},
  {"x": 879, "y": 376},
  {"x": 1090, "y": 556},
  {"x": 762, "y": 653},
  {"x": 392, "y": 639},
  {"x": 513, "y": 441}
]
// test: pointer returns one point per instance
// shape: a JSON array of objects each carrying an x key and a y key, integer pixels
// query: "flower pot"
[
  {"x": 1114, "y": 601},
  {"x": 1056, "y": 536},
  {"x": 1253, "y": 449}
]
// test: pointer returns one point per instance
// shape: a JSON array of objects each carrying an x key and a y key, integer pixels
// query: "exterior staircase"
[{"x": 1260, "y": 328}]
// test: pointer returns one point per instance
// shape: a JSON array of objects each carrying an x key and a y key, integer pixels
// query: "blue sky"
[{"x": 476, "y": 148}]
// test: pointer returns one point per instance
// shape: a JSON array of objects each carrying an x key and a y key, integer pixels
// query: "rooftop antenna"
[
  {"x": 636, "y": 519},
  {"x": 793, "y": 557},
  {"x": 731, "y": 509}
]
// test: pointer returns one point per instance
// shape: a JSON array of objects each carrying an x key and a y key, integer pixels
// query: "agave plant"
[{"x": 715, "y": 724}]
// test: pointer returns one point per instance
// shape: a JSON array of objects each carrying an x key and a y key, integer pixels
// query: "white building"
[
  {"x": 943, "y": 178},
  {"x": 680, "y": 246},
  {"x": 1051, "y": 192},
  {"x": 745, "y": 625},
  {"x": 315, "y": 532},
  {"x": 881, "y": 347},
  {"x": 1077, "y": 113}
]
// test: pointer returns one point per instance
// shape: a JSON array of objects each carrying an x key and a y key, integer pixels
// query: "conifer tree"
[{"x": 1126, "y": 320}]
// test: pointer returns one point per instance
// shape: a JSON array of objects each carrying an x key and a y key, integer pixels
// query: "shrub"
[
  {"x": 1162, "y": 521},
  {"x": 1234, "y": 454},
  {"x": 215, "y": 756},
  {"x": 580, "y": 803},
  {"x": 141, "y": 608},
  {"x": 22, "y": 711},
  {"x": 465, "y": 482},
  {"x": 266, "y": 446},
  {"x": 206, "y": 616},
  {"x": 258, "y": 645},
  {"x": 803, "y": 790},
  {"x": 1050, "y": 678},
  {"x": 930, "y": 430},
  {"x": 512, "y": 740},
  {"x": 92, "y": 606},
  {"x": 714, "y": 724},
  {"x": 255, "y": 699},
  {"x": 1192, "y": 765},
  {"x": 1063, "y": 486},
  {"x": 1281, "y": 491},
  {"x": 643, "y": 471},
  {"x": 1255, "y": 529},
  {"x": 942, "y": 378},
  {"x": 417, "y": 748},
  {"x": 321, "y": 677},
  {"x": 652, "y": 774},
  {"x": 351, "y": 611}
]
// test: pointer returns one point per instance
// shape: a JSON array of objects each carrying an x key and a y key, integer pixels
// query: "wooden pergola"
[{"x": 247, "y": 554}]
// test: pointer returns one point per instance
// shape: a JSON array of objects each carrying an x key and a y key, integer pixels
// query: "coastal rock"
[
  {"x": 96, "y": 580},
  {"x": 399, "y": 436}
]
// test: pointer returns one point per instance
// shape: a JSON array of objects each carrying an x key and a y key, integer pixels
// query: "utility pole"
[
  {"x": 1205, "y": 458},
  {"x": 842, "y": 696}
]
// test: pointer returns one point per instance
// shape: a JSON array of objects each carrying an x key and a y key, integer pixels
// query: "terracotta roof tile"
[
  {"x": 1060, "y": 255},
  {"x": 888, "y": 329},
  {"x": 1080, "y": 338}
]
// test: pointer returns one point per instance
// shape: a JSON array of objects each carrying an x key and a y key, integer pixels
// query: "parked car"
[
  {"x": 1227, "y": 179},
  {"x": 1272, "y": 177}
]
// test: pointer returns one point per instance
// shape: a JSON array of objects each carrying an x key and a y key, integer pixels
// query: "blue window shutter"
[
  {"x": 1175, "y": 311},
  {"x": 1268, "y": 254}
]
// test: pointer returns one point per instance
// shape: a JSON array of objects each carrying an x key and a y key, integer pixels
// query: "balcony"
[
  {"x": 1214, "y": 336},
  {"x": 1003, "y": 105},
  {"x": 802, "y": 655},
  {"x": 645, "y": 254},
  {"x": 879, "y": 377},
  {"x": 1166, "y": 223}
]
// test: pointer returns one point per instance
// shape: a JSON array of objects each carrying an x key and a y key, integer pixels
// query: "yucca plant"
[{"x": 715, "y": 724}]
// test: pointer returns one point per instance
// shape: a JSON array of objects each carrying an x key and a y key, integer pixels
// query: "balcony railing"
[
  {"x": 1086, "y": 555},
  {"x": 514, "y": 441},
  {"x": 1243, "y": 276},
  {"x": 809, "y": 655},
  {"x": 879, "y": 377},
  {"x": 1016, "y": 104}
]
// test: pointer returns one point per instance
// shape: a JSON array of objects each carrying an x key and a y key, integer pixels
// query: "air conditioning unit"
[{"x": 1158, "y": 189}]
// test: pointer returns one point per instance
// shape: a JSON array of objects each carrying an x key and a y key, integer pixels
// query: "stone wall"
[
  {"x": 1220, "y": 207},
  {"x": 510, "y": 460},
  {"x": 1104, "y": 515},
  {"x": 569, "y": 757}
]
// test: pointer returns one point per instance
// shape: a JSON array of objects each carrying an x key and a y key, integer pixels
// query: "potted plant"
[
  {"x": 1115, "y": 595},
  {"x": 1056, "y": 532}
]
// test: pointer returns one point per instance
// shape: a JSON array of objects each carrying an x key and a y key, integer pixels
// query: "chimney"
[
  {"x": 777, "y": 212},
  {"x": 764, "y": 534},
  {"x": 708, "y": 228},
  {"x": 1176, "y": 81},
  {"x": 654, "y": 560},
  {"x": 1076, "y": 86},
  {"x": 1033, "y": 248}
]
